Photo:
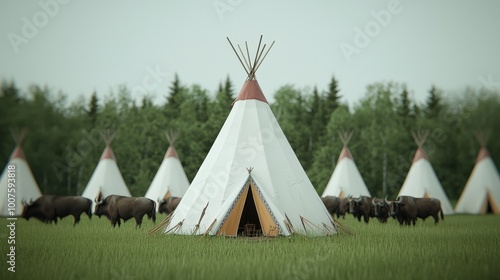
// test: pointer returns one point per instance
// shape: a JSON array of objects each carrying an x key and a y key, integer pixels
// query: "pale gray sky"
[{"x": 81, "y": 46}]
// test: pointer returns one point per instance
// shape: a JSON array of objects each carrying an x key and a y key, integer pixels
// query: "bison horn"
[
  {"x": 99, "y": 202},
  {"x": 373, "y": 202},
  {"x": 385, "y": 200},
  {"x": 357, "y": 199}
]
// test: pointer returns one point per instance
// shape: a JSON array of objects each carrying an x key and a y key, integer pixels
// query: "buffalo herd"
[
  {"x": 48, "y": 208},
  {"x": 405, "y": 209}
]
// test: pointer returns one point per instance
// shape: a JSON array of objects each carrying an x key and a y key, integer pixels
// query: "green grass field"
[{"x": 461, "y": 247}]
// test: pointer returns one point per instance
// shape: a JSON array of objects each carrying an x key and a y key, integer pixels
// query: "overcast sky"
[{"x": 81, "y": 46}]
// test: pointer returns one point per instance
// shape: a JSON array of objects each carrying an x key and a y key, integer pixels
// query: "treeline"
[{"x": 63, "y": 145}]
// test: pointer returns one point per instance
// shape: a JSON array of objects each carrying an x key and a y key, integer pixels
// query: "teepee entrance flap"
[
  {"x": 249, "y": 215},
  {"x": 489, "y": 205}
]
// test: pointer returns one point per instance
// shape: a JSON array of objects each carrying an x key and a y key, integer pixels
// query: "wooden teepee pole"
[
  {"x": 420, "y": 136},
  {"x": 482, "y": 137},
  {"x": 19, "y": 135},
  {"x": 345, "y": 136}
]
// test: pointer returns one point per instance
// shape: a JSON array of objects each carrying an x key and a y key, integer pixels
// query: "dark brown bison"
[
  {"x": 427, "y": 207},
  {"x": 404, "y": 210},
  {"x": 407, "y": 209},
  {"x": 48, "y": 208},
  {"x": 116, "y": 207},
  {"x": 361, "y": 207},
  {"x": 336, "y": 205},
  {"x": 168, "y": 205},
  {"x": 381, "y": 209}
]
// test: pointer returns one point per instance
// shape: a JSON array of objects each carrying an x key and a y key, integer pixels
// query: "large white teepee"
[
  {"x": 25, "y": 186},
  {"x": 421, "y": 180},
  {"x": 106, "y": 179},
  {"x": 346, "y": 179},
  {"x": 251, "y": 181},
  {"x": 170, "y": 180},
  {"x": 481, "y": 194}
]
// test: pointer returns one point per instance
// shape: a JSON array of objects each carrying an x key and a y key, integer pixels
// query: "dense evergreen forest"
[{"x": 63, "y": 144}]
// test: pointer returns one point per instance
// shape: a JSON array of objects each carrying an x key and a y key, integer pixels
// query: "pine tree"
[
  {"x": 316, "y": 120},
  {"x": 228, "y": 89},
  {"x": 175, "y": 99},
  {"x": 93, "y": 109},
  {"x": 433, "y": 104},
  {"x": 332, "y": 99}
]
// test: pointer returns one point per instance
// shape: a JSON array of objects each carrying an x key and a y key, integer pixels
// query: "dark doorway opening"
[
  {"x": 489, "y": 209},
  {"x": 249, "y": 221}
]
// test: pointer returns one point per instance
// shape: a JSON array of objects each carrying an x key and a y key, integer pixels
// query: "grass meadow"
[{"x": 461, "y": 247}]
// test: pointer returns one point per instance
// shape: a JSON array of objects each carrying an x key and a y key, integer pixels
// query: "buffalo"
[
  {"x": 429, "y": 207},
  {"x": 168, "y": 205},
  {"x": 48, "y": 208},
  {"x": 407, "y": 209},
  {"x": 361, "y": 207},
  {"x": 336, "y": 205},
  {"x": 116, "y": 207},
  {"x": 381, "y": 209},
  {"x": 404, "y": 210}
]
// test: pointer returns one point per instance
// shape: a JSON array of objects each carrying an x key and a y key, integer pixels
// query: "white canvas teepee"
[
  {"x": 25, "y": 186},
  {"x": 421, "y": 180},
  {"x": 170, "y": 180},
  {"x": 251, "y": 179},
  {"x": 107, "y": 178},
  {"x": 346, "y": 179},
  {"x": 481, "y": 194}
]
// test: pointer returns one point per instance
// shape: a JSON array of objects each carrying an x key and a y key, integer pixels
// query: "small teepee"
[
  {"x": 106, "y": 179},
  {"x": 21, "y": 186},
  {"x": 346, "y": 179},
  {"x": 421, "y": 180},
  {"x": 481, "y": 194},
  {"x": 170, "y": 180},
  {"x": 251, "y": 182}
]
